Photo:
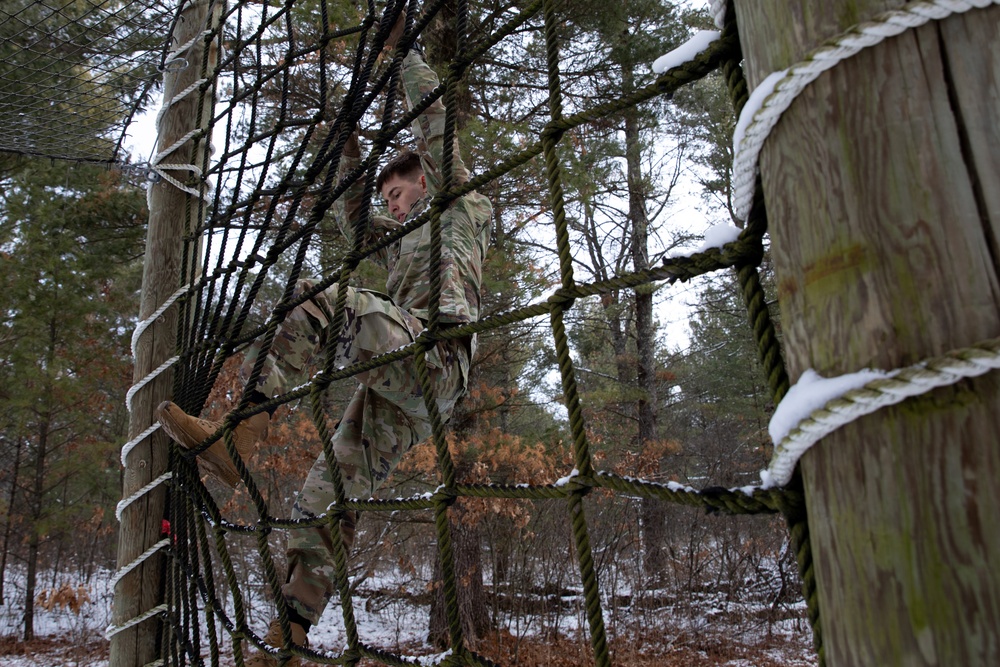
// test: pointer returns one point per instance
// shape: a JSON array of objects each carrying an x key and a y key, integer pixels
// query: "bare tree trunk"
[
  {"x": 652, "y": 517},
  {"x": 472, "y": 607},
  {"x": 8, "y": 525},
  {"x": 36, "y": 500},
  {"x": 34, "y": 536}
]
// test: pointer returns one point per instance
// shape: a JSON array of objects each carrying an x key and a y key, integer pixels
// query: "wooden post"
[
  {"x": 882, "y": 183},
  {"x": 171, "y": 212}
]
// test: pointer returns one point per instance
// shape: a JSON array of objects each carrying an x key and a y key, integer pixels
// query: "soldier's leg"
[
  {"x": 383, "y": 327},
  {"x": 297, "y": 341},
  {"x": 368, "y": 443},
  {"x": 373, "y": 325},
  {"x": 384, "y": 419}
]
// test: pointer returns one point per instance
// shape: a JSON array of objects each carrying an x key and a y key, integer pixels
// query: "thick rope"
[
  {"x": 717, "y": 8},
  {"x": 446, "y": 554},
  {"x": 131, "y": 444},
  {"x": 113, "y": 630},
  {"x": 148, "y": 553},
  {"x": 905, "y": 383},
  {"x": 581, "y": 450},
  {"x": 210, "y": 345},
  {"x": 793, "y": 508},
  {"x": 156, "y": 165},
  {"x": 134, "y": 389},
  {"x": 145, "y": 324},
  {"x": 125, "y": 502},
  {"x": 781, "y": 88}
]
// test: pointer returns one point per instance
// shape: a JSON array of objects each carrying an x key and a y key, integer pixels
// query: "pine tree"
[{"x": 69, "y": 236}]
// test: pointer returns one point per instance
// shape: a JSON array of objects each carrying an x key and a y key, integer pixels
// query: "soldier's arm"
[
  {"x": 428, "y": 128},
  {"x": 348, "y": 207}
]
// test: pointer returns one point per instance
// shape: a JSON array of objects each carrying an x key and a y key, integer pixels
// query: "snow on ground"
[{"x": 388, "y": 617}]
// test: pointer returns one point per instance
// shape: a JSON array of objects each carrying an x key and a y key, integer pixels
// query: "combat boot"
[
  {"x": 190, "y": 432},
  {"x": 274, "y": 638}
]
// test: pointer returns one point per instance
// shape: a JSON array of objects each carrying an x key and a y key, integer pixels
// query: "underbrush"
[{"x": 697, "y": 632}]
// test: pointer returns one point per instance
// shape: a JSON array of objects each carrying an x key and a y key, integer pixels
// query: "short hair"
[{"x": 405, "y": 164}]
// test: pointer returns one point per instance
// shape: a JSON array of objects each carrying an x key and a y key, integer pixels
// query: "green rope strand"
[
  {"x": 264, "y": 528},
  {"x": 798, "y": 522},
  {"x": 713, "y": 499},
  {"x": 445, "y": 497},
  {"x": 550, "y": 138},
  {"x": 332, "y": 522},
  {"x": 765, "y": 335},
  {"x": 240, "y": 631},
  {"x": 749, "y": 278},
  {"x": 769, "y": 351},
  {"x": 202, "y": 546}
]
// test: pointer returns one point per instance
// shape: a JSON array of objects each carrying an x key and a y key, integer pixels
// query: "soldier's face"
[{"x": 402, "y": 192}]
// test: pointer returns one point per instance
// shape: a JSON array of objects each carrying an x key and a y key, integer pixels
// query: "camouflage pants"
[{"x": 386, "y": 416}]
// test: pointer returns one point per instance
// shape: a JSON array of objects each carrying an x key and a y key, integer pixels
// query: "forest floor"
[
  {"x": 654, "y": 629},
  {"x": 706, "y": 650},
  {"x": 671, "y": 643}
]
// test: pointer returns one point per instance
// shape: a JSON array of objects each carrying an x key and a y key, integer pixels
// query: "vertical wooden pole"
[
  {"x": 881, "y": 183},
  {"x": 171, "y": 212}
]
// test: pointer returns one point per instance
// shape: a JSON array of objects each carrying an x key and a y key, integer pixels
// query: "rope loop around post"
[
  {"x": 776, "y": 92},
  {"x": 895, "y": 387}
]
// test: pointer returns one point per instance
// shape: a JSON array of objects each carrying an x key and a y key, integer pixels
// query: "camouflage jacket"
[{"x": 464, "y": 225}]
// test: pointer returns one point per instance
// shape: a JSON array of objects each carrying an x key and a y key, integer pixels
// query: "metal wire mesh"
[{"x": 74, "y": 72}]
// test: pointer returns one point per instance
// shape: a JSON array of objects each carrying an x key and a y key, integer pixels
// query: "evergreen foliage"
[
  {"x": 69, "y": 238},
  {"x": 73, "y": 73}
]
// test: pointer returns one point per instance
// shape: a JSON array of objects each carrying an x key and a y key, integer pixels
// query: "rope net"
[
  {"x": 258, "y": 210},
  {"x": 73, "y": 73}
]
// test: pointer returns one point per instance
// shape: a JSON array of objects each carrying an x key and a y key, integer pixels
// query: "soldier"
[{"x": 387, "y": 414}]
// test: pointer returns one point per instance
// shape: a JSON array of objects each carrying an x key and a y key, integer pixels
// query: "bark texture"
[{"x": 881, "y": 187}]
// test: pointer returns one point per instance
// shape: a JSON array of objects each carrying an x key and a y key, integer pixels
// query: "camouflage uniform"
[{"x": 387, "y": 414}]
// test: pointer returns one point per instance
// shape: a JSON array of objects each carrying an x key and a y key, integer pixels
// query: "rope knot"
[
  {"x": 564, "y": 296},
  {"x": 554, "y": 130},
  {"x": 445, "y": 494},
  {"x": 577, "y": 484},
  {"x": 428, "y": 338}
]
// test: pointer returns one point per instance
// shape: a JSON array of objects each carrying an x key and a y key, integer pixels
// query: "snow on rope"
[
  {"x": 890, "y": 389},
  {"x": 687, "y": 51},
  {"x": 775, "y": 94}
]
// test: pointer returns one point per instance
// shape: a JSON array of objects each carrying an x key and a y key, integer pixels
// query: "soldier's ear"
[{"x": 423, "y": 182}]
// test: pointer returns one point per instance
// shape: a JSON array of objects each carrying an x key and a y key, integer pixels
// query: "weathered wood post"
[
  {"x": 882, "y": 183},
  {"x": 171, "y": 212}
]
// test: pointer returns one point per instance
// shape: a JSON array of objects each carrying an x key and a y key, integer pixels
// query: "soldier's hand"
[
  {"x": 397, "y": 31},
  {"x": 352, "y": 148}
]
